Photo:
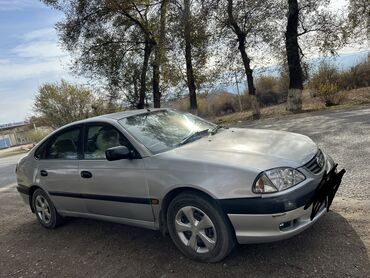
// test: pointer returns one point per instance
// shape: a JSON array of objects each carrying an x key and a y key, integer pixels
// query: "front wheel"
[{"x": 199, "y": 228}]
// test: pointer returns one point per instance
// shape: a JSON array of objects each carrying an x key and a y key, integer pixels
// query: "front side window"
[
  {"x": 64, "y": 146},
  {"x": 100, "y": 138},
  {"x": 163, "y": 130}
]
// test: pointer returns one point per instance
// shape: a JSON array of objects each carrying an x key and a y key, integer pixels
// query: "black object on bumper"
[{"x": 325, "y": 191}]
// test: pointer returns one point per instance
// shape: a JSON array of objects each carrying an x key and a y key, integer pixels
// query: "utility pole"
[{"x": 238, "y": 92}]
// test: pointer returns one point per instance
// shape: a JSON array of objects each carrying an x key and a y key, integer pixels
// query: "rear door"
[
  {"x": 58, "y": 169},
  {"x": 113, "y": 188}
]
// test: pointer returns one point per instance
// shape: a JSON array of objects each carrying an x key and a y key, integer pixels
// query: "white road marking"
[{"x": 7, "y": 187}]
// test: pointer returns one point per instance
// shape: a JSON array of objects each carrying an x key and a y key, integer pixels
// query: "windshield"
[{"x": 163, "y": 130}]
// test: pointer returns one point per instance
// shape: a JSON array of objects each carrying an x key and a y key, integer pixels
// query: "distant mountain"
[{"x": 344, "y": 61}]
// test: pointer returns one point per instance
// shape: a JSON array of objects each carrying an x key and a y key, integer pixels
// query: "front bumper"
[
  {"x": 260, "y": 228},
  {"x": 287, "y": 213}
]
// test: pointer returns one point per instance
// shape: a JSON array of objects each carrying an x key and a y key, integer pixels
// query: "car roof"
[{"x": 118, "y": 116}]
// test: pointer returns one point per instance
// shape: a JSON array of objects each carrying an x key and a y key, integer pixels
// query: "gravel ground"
[{"x": 337, "y": 246}]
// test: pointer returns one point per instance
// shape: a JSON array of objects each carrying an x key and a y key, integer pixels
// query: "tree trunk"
[
  {"x": 136, "y": 95},
  {"x": 294, "y": 102},
  {"x": 112, "y": 100},
  {"x": 246, "y": 60},
  {"x": 147, "y": 51},
  {"x": 159, "y": 49},
  {"x": 247, "y": 66},
  {"x": 156, "y": 88},
  {"x": 188, "y": 58}
]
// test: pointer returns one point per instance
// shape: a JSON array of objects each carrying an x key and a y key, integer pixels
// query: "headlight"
[{"x": 277, "y": 179}]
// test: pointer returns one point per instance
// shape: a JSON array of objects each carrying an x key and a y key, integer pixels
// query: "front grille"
[{"x": 317, "y": 163}]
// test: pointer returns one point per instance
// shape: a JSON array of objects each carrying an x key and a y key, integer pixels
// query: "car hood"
[{"x": 252, "y": 148}]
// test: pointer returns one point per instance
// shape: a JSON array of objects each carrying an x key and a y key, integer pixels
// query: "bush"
[
  {"x": 184, "y": 105},
  {"x": 202, "y": 106},
  {"x": 213, "y": 105},
  {"x": 326, "y": 74},
  {"x": 37, "y": 135},
  {"x": 246, "y": 101},
  {"x": 222, "y": 104},
  {"x": 356, "y": 77},
  {"x": 270, "y": 90},
  {"x": 59, "y": 103},
  {"x": 330, "y": 95},
  {"x": 266, "y": 83}
]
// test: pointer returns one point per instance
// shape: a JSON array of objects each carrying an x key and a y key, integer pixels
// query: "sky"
[{"x": 30, "y": 55}]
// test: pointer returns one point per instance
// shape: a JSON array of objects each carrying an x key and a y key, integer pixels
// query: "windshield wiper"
[
  {"x": 215, "y": 129},
  {"x": 193, "y": 136}
]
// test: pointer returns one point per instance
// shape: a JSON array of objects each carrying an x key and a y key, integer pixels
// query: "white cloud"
[
  {"x": 4, "y": 61},
  {"x": 37, "y": 56},
  {"x": 20, "y": 106},
  {"x": 35, "y": 60},
  {"x": 20, "y": 71},
  {"x": 39, "y": 50},
  {"x": 44, "y": 33}
]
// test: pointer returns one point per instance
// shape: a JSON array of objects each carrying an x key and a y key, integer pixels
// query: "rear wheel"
[
  {"x": 199, "y": 228},
  {"x": 45, "y": 211}
]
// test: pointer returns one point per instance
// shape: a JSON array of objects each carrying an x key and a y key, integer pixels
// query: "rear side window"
[{"x": 64, "y": 145}]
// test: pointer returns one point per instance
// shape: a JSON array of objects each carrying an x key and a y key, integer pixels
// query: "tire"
[
  {"x": 205, "y": 237},
  {"x": 45, "y": 210}
]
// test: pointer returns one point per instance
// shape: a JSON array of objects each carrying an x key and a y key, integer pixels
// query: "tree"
[
  {"x": 37, "y": 135},
  {"x": 57, "y": 104},
  {"x": 159, "y": 51},
  {"x": 188, "y": 56},
  {"x": 359, "y": 18},
  {"x": 252, "y": 22},
  {"x": 102, "y": 35},
  {"x": 294, "y": 101},
  {"x": 317, "y": 27},
  {"x": 188, "y": 64}
]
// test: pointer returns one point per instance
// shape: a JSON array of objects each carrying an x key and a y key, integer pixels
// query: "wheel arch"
[
  {"x": 32, "y": 189},
  {"x": 170, "y": 195}
]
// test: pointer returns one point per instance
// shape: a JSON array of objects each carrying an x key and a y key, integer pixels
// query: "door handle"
[
  {"x": 43, "y": 173},
  {"x": 86, "y": 174}
]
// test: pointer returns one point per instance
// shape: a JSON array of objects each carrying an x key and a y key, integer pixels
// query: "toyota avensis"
[{"x": 207, "y": 186}]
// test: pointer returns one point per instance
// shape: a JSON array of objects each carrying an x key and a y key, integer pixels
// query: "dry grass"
[{"x": 352, "y": 98}]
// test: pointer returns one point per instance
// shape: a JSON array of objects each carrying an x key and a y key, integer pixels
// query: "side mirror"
[{"x": 117, "y": 153}]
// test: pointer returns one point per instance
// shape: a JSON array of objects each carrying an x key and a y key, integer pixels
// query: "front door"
[{"x": 113, "y": 188}]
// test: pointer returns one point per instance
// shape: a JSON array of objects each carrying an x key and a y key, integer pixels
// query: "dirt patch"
[{"x": 15, "y": 150}]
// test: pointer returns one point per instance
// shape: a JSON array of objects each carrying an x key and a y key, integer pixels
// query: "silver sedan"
[{"x": 206, "y": 186}]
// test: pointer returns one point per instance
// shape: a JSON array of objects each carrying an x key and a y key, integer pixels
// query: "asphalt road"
[
  {"x": 7, "y": 170},
  {"x": 337, "y": 246}
]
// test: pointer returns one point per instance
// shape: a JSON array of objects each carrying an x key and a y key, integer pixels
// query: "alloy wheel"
[
  {"x": 195, "y": 229},
  {"x": 43, "y": 209}
]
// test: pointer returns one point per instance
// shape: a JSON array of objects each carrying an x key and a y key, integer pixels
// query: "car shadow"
[
  {"x": 331, "y": 247},
  {"x": 82, "y": 247}
]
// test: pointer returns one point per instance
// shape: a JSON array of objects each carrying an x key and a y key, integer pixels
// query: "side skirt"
[{"x": 125, "y": 221}]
